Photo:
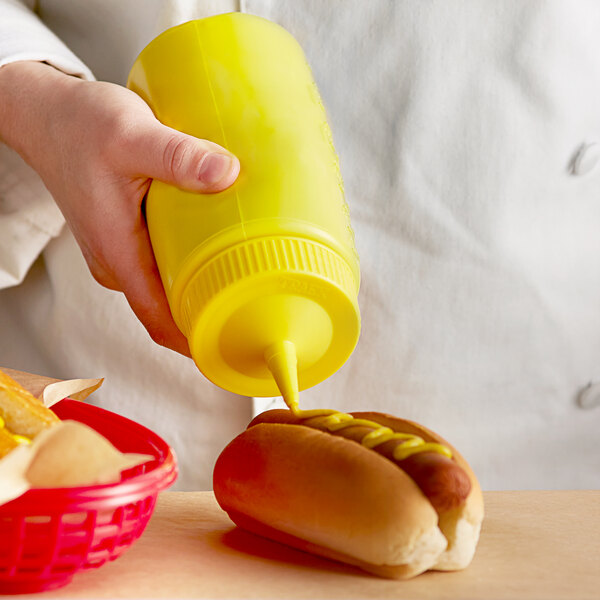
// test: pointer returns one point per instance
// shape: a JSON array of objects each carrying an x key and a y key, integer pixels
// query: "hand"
[{"x": 97, "y": 146}]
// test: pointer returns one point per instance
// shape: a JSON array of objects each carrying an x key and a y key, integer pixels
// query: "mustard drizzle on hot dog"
[
  {"x": 334, "y": 420},
  {"x": 20, "y": 439}
]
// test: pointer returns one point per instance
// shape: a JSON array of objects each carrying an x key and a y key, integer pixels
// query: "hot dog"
[
  {"x": 22, "y": 415},
  {"x": 368, "y": 489}
]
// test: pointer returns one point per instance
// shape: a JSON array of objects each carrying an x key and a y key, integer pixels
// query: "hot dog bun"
[
  {"x": 332, "y": 496},
  {"x": 21, "y": 414},
  {"x": 461, "y": 525}
]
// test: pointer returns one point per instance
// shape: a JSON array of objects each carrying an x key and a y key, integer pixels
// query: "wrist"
[{"x": 28, "y": 91}]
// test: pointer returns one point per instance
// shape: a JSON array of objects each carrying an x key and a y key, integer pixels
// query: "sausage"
[{"x": 445, "y": 483}]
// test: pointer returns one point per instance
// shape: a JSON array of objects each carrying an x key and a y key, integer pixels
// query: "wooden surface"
[{"x": 534, "y": 545}]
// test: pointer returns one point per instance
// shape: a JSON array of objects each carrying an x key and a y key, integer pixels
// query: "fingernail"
[{"x": 214, "y": 167}]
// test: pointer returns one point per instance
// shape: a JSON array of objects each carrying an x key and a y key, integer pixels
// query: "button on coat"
[
  {"x": 589, "y": 396},
  {"x": 586, "y": 158}
]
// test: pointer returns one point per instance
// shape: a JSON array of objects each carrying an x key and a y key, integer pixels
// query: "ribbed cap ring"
[{"x": 257, "y": 257}]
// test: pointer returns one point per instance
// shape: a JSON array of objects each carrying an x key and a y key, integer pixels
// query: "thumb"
[{"x": 190, "y": 163}]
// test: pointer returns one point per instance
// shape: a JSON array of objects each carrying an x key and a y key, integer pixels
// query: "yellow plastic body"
[{"x": 271, "y": 259}]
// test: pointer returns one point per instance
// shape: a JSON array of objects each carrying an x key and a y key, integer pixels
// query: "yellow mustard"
[{"x": 333, "y": 420}]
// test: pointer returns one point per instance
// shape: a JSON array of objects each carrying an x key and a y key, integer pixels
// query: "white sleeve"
[
  {"x": 24, "y": 37},
  {"x": 29, "y": 218}
]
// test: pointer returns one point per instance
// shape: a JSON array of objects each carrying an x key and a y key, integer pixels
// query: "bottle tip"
[{"x": 283, "y": 364}]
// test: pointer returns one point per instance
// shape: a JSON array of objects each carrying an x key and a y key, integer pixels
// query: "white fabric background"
[{"x": 456, "y": 125}]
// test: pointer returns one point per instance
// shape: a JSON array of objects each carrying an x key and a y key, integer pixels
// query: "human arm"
[{"x": 96, "y": 147}]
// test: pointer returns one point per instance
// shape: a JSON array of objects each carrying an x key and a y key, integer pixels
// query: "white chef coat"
[{"x": 469, "y": 138}]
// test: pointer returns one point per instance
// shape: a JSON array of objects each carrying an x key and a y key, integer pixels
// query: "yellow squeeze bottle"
[{"x": 263, "y": 277}]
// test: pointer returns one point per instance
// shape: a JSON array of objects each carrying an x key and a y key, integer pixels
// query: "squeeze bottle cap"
[{"x": 264, "y": 305}]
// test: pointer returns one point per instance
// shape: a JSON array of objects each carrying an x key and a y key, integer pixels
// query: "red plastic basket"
[{"x": 47, "y": 535}]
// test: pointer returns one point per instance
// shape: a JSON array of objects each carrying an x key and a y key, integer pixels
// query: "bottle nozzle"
[{"x": 283, "y": 364}]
